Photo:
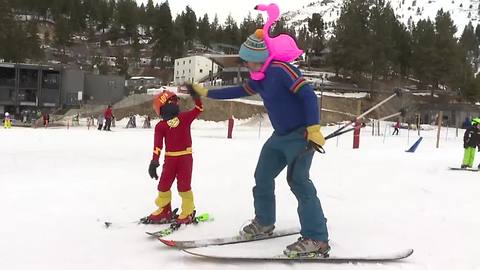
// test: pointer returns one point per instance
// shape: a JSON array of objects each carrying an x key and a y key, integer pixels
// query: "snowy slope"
[
  {"x": 57, "y": 186},
  {"x": 462, "y": 11}
]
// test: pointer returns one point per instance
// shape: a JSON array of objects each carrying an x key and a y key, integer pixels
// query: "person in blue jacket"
[{"x": 293, "y": 111}]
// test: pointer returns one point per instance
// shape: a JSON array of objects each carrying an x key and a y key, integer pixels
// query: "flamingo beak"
[{"x": 256, "y": 7}]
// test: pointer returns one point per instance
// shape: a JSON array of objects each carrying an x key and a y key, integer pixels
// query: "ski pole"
[{"x": 397, "y": 93}]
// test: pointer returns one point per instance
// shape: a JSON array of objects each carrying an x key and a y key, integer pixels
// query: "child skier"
[
  {"x": 7, "y": 121},
  {"x": 174, "y": 129},
  {"x": 471, "y": 140}
]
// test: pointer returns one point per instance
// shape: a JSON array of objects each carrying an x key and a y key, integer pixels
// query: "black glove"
[
  {"x": 152, "y": 169},
  {"x": 192, "y": 92}
]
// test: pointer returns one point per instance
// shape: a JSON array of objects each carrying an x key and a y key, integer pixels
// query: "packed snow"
[{"x": 59, "y": 186}]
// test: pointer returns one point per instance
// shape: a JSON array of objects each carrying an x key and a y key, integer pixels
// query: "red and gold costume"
[{"x": 173, "y": 136}]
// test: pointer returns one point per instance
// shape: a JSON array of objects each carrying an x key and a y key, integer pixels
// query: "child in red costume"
[{"x": 175, "y": 130}]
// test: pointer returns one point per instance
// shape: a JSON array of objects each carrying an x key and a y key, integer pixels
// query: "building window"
[
  {"x": 189, "y": 71},
  {"x": 201, "y": 70},
  {"x": 184, "y": 62},
  {"x": 189, "y": 61},
  {"x": 183, "y": 71}
]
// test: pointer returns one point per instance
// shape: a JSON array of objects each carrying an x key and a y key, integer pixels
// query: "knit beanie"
[{"x": 254, "y": 48}]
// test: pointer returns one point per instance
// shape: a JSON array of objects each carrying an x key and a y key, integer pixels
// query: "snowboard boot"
[
  {"x": 255, "y": 229},
  {"x": 305, "y": 247},
  {"x": 464, "y": 166}
]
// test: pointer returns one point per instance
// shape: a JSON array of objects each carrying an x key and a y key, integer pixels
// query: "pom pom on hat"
[{"x": 259, "y": 34}]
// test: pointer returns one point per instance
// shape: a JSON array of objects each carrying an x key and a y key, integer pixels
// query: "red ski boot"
[{"x": 163, "y": 215}]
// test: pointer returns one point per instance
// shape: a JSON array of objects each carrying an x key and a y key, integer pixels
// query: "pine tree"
[
  {"x": 204, "y": 34},
  {"x": 231, "y": 32},
  {"x": 316, "y": 26},
  {"x": 468, "y": 85},
  {"x": 32, "y": 42},
  {"x": 92, "y": 12},
  {"x": 259, "y": 22},
  {"x": 303, "y": 38},
  {"x": 190, "y": 26},
  {"x": 216, "y": 30},
  {"x": 63, "y": 34},
  {"x": 142, "y": 18},
  {"x": 105, "y": 14},
  {"x": 423, "y": 51},
  {"x": 150, "y": 15},
  {"x": 383, "y": 51},
  {"x": 350, "y": 44},
  {"x": 402, "y": 40},
  {"x": 446, "y": 49},
  {"x": 162, "y": 32},
  {"x": 76, "y": 15},
  {"x": 177, "y": 50},
  {"x": 11, "y": 35},
  {"x": 127, "y": 16},
  {"x": 247, "y": 27},
  {"x": 468, "y": 40}
]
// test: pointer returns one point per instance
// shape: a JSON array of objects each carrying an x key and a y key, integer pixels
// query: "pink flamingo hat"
[{"x": 282, "y": 47}]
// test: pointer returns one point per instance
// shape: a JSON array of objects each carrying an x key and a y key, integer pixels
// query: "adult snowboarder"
[
  {"x": 471, "y": 140},
  {"x": 174, "y": 129},
  {"x": 293, "y": 110}
]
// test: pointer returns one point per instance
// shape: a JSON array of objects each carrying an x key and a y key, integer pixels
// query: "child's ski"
[{"x": 205, "y": 217}]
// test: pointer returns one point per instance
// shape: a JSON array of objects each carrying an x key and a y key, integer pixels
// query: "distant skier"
[
  {"x": 100, "y": 120},
  {"x": 108, "y": 115},
  {"x": 46, "y": 119},
  {"x": 292, "y": 107},
  {"x": 467, "y": 123},
  {"x": 471, "y": 141},
  {"x": 174, "y": 129},
  {"x": 397, "y": 128},
  {"x": 7, "y": 121},
  {"x": 146, "y": 122}
]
